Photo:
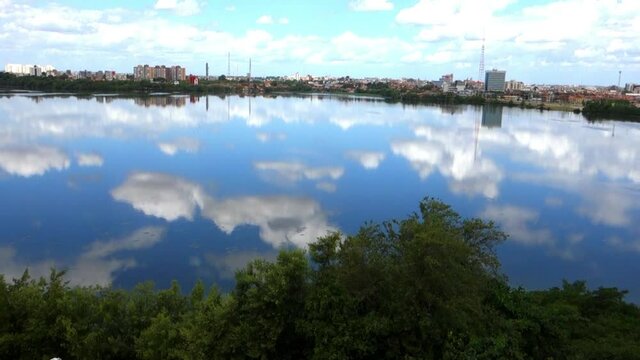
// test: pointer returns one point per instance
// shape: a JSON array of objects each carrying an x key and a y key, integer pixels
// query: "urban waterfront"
[{"x": 123, "y": 190}]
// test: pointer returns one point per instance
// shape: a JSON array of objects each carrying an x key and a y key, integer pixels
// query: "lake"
[{"x": 123, "y": 190}]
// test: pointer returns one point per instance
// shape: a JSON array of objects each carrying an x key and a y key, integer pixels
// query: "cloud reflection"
[
  {"x": 188, "y": 145},
  {"x": 97, "y": 265},
  {"x": 453, "y": 154},
  {"x": 280, "y": 219},
  {"x": 368, "y": 159},
  {"x": 27, "y": 161},
  {"x": 90, "y": 159},
  {"x": 164, "y": 196}
]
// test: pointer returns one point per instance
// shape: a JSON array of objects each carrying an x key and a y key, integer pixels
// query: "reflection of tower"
[
  {"x": 476, "y": 135},
  {"x": 228, "y": 108},
  {"x": 491, "y": 116},
  {"x": 207, "y": 106}
]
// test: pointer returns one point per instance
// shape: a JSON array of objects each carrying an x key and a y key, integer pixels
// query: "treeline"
[
  {"x": 62, "y": 84},
  {"x": 427, "y": 287},
  {"x": 608, "y": 108}
]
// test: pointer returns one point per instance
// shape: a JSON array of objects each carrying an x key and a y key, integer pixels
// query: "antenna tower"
[
  {"x": 229, "y": 64},
  {"x": 481, "y": 67},
  {"x": 619, "y": 76}
]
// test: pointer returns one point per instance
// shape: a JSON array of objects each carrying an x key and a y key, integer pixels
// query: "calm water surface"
[{"x": 171, "y": 187}]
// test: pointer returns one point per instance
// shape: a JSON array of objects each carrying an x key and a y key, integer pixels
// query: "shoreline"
[{"x": 81, "y": 88}]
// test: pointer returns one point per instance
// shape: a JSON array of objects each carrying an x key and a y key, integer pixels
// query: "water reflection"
[
  {"x": 183, "y": 144},
  {"x": 31, "y": 160},
  {"x": 492, "y": 116},
  {"x": 281, "y": 219},
  {"x": 452, "y": 152},
  {"x": 239, "y": 177},
  {"x": 96, "y": 265}
]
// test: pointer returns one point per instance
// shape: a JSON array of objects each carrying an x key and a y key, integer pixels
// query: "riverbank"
[{"x": 418, "y": 96}]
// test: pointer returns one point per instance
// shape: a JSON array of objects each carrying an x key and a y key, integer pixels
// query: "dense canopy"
[{"x": 427, "y": 287}]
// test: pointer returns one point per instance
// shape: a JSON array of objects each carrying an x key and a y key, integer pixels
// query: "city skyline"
[{"x": 570, "y": 42}]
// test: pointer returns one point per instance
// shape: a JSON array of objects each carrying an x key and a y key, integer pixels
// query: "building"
[
  {"x": 447, "y": 78},
  {"x": 146, "y": 72},
  {"x": 33, "y": 70},
  {"x": 494, "y": 80},
  {"x": 513, "y": 85}
]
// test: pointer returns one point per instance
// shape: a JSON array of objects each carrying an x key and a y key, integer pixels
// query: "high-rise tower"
[
  {"x": 481, "y": 67},
  {"x": 619, "y": 77}
]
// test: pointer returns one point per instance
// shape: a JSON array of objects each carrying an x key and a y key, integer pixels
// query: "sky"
[{"x": 539, "y": 41}]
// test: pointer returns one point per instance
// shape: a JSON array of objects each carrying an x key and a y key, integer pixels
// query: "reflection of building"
[
  {"x": 494, "y": 80},
  {"x": 176, "y": 101},
  {"x": 491, "y": 116}
]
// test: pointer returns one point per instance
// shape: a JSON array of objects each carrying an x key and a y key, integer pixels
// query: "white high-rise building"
[{"x": 25, "y": 69}]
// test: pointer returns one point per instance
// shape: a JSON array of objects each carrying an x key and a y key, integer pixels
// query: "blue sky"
[{"x": 567, "y": 41}]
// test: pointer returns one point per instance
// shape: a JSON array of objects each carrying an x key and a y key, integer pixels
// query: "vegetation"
[
  {"x": 427, "y": 287},
  {"x": 62, "y": 84},
  {"x": 607, "y": 108}
]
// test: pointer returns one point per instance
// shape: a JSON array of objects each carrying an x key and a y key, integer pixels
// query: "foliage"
[
  {"x": 426, "y": 287},
  {"x": 607, "y": 108}
]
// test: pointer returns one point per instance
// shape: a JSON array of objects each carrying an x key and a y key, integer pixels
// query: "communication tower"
[
  {"x": 619, "y": 76},
  {"x": 481, "y": 67}
]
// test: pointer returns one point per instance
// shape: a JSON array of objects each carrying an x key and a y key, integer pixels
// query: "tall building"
[
  {"x": 33, "y": 70},
  {"x": 494, "y": 80},
  {"x": 146, "y": 72},
  {"x": 513, "y": 85}
]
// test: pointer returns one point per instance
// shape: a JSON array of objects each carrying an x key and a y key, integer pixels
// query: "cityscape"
[{"x": 493, "y": 82}]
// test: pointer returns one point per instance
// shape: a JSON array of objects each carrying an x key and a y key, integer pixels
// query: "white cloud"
[
  {"x": 89, "y": 159},
  {"x": 180, "y": 7},
  {"x": 266, "y": 137},
  {"x": 26, "y": 161},
  {"x": 188, "y": 145},
  {"x": 368, "y": 159},
  {"x": 538, "y": 34},
  {"x": 164, "y": 196},
  {"x": 95, "y": 266},
  {"x": 281, "y": 219},
  {"x": 517, "y": 222},
  {"x": 326, "y": 186},
  {"x": 98, "y": 264},
  {"x": 295, "y": 171},
  {"x": 283, "y": 21},
  {"x": 226, "y": 265},
  {"x": 452, "y": 152},
  {"x": 371, "y": 5},
  {"x": 265, "y": 20}
]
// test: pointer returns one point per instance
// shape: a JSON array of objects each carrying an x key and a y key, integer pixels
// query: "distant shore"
[{"x": 600, "y": 110}]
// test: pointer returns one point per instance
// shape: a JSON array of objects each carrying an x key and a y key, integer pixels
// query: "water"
[{"x": 122, "y": 190}]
